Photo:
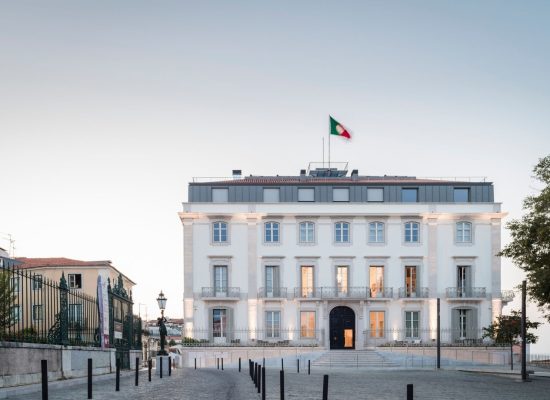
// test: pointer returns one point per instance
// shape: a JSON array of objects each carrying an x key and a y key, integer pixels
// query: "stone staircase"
[{"x": 352, "y": 359}]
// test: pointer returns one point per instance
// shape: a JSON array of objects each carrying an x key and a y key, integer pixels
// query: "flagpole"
[
  {"x": 323, "y": 152},
  {"x": 329, "y": 142}
]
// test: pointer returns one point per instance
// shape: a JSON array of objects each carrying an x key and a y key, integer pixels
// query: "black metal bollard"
[
  {"x": 250, "y": 368},
  {"x": 117, "y": 381},
  {"x": 89, "y": 378},
  {"x": 44, "y": 368},
  {"x": 137, "y": 371},
  {"x": 282, "y": 364},
  {"x": 325, "y": 387},
  {"x": 298, "y": 365},
  {"x": 309, "y": 367},
  {"x": 217, "y": 363},
  {"x": 149, "y": 367},
  {"x": 282, "y": 383},
  {"x": 161, "y": 358},
  {"x": 263, "y": 382},
  {"x": 410, "y": 391},
  {"x": 255, "y": 375},
  {"x": 263, "y": 363},
  {"x": 259, "y": 378},
  {"x": 239, "y": 364},
  {"x": 195, "y": 362},
  {"x": 169, "y": 365},
  {"x": 222, "y": 363}
]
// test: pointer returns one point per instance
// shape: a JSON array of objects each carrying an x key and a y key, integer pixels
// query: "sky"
[{"x": 109, "y": 108}]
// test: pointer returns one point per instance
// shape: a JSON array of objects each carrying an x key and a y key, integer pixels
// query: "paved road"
[{"x": 206, "y": 384}]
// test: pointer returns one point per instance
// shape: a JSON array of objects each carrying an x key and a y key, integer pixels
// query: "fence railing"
[
  {"x": 221, "y": 292},
  {"x": 466, "y": 292},
  {"x": 333, "y": 292},
  {"x": 420, "y": 292},
  {"x": 414, "y": 336},
  {"x": 276, "y": 336},
  {"x": 39, "y": 310},
  {"x": 276, "y": 292}
]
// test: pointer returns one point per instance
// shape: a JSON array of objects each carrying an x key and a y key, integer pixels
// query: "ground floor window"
[
  {"x": 15, "y": 313},
  {"x": 273, "y": 324},
  {"x": 37, "y": 312},
  {"x": 411, "y": 324},
  {"x": 219, "y": 322},
  {"x": 75, "y": 315},
  {"x": 377, "y": 324},
  {"x": 307, "y": 324}
]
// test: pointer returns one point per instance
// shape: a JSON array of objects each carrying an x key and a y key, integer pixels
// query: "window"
[
  {"x": 14, "y": 284},
  {"x": 271, "y": 195},
  {"x": 409, "y": 195},
  {"x": 37, "y": 312},
  {"x": 410, "y": 281},
  {"x": 307, "y": 324},
  {"x": 273, "y": 324},
  {"x": 462, "y": 323},
  {"x": 376, "y": 232},
  {"x": 307, "y": 232},
  {"x": 341, "y": 232},
  {"x": 272, "y": 288},
  {"x": 37, "y": 282},
  {"x": 340, "y": 194},
  {"x": 463, "y": 232},
  {"x": 271, "y": 232},
  {"x": 220, "y": 195},
  {"x": 75, "y": 315},
  {"x": 411, "y": 232},
  {"x": 377, "y": 324},
  {"x": 306, "y": 194},
  {"x": 461, "y": 195},
  {"x": 219, "y": 323},
  {"x": 75, "y": 281},
  {"x": 463, "y": 281},
  {"x": 220, "y": 280},
  {"x": 307, "y": 280},
  {"x": 376, "y": 280},
  {"x": 15, "y": 313},
  {"x": 342, "y": 280},
  {"x": 219, "y": 232},
  {"x": 411, "y": 324},
  {"x": 375, "y": 194}
]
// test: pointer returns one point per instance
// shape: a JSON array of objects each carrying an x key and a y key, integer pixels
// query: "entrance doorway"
[{"x": 342, "y": 328}]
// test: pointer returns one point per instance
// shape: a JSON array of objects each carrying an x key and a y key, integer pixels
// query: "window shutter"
[
  {"x": 469, "y": 281},
  {"x": 230, "y": 327},
  {"x": 471, "y": 320},
  {"x": 276, "y": 287},
  {"x": 211, "y": 326},
  {"x": 455, "y": 324}
]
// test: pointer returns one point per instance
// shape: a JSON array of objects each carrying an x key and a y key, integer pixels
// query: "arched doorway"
[{"x": 342, "y": 328}]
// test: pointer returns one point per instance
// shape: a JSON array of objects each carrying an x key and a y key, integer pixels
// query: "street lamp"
[{"x": 161, "y": 300}]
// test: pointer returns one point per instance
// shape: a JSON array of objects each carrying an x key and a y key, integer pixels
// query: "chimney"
[
  {"x": 237, "y": 174},
  {"x": 355, "y": 174}
]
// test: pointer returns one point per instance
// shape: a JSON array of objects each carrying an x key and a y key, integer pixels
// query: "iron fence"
[
  {"x": 254, "y": 337},
  {"x": 414, "y": 336},
  {"x": 466, "y": 292}
]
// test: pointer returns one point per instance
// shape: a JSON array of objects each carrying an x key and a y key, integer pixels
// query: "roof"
[{"x": 64, "y": 262}]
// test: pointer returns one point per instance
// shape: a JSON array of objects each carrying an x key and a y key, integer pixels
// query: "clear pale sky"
[{"x": 108, "y": 109}]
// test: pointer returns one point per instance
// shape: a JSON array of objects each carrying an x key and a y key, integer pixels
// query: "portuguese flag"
[{"x": 336, "y": 128}]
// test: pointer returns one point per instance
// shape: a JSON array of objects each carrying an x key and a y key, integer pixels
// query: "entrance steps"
[{"x": 352, "y": 359}]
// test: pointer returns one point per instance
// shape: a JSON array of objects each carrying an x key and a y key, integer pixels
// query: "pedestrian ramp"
[{"x": 367, "y": 358}]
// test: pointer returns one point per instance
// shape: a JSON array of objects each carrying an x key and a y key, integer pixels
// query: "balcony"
[
  {"x": 223, "y": 293},
  {"x": 333, "y": 292},
  {"x": 272, "y": 293},
  {"x": 466, "y": 293},
  {"x": 416, "y": 294},
  {"x": 307, "y": 293},
  {"x": 507, "y": 296},
  {"x": 352, "y": 293}
]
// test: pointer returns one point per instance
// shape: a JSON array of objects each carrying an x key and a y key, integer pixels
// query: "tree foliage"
[
  {"x": 507, "y": 329},
  {"x": 530, "y": 245}
]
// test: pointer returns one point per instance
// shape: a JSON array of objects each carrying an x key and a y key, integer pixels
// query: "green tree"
[
  {"x": 530, "y": 245},
  {"x": 172, "y": 342},
  {"x": 7, "y": 298},
  {"x": 506, "y": 330}
]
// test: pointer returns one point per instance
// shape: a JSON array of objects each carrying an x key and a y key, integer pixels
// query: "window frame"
[
  {"x": 337, "y": 240},
  {"x": 375, "y": 188},
  {"x": 40, "y": 309},
  {"x": 410, "y": 331},
  {"x": 278, "y": 189},
  {"x": 459, "y": 237},
  {"x": 468, "y": 194},
  {"x": 338, "y": 189},
  {"x": 272, "y": 330},
  {"x": 377, "y": 332},
  {"x": 405, "y": 239},
  {"x": 308, "y": 189},
  {"x": 376, "y": 223},
  {"x": 409, "y": 190},
  {"x": 213, "y": 236},
  {"x": 37, "y": 280},
  {"x": 313, "y": 235},
  {"x": 226, "y": 189},
  {"x": 72, "y": 285},
  {"x": 308, "y": 329},
  {"x": 272, "y": 231}
]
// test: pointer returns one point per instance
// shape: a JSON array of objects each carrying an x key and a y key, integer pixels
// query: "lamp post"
[{"x": 161, "y": 300}]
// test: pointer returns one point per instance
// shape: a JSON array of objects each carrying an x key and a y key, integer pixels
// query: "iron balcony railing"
[
  {"x": 221, "y": 292},
  {"x": 419, "y": 292},
  {"x": 333, "y": 292},
  {"x": 466, "y": 292},
  {"x": 507, "y": 295},
  {"x": 414, "y": 335},
  {"x": 275, "y": 293}
]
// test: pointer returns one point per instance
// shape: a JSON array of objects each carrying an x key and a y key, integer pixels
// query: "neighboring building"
[{"x": 340, "y": 261}]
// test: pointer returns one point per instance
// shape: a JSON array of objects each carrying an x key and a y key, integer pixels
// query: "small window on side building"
[
  {"x": 409, "y": 195},
  {"x": 461, "y": 195},
  {"x": 271, "y": 195},
  {"x": 375, "y": 194},
  {"x": 340, "y": 194},
  {"x": 306, "y": 194},
  {"x": 220, "y": 195}
]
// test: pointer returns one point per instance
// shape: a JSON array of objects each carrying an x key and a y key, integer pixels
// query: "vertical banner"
[{"x": 103, "y": 304}]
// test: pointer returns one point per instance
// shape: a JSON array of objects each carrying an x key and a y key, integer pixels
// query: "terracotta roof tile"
[{"x": 58, "y": 262}]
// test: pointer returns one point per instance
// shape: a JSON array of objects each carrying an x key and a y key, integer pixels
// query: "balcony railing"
[
  {"x": 334, "y": 292},
  {"x": 507, "y": 295},
  {"x": 223, "y": 292},
  {"x": 420, "y": 292},
  {"x": 467, "y": 292},
  {"x": 275, "y": 293}
]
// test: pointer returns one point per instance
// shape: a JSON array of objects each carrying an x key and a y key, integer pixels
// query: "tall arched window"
[
  {"x": 463, "y": 232},
  {"x": 376, "y": 232},
  {"x": 307, "y": 232},
  {"x": 412, "y": 232},
  {"x": 341, "y": 232},
  {"x": 219, "y": 232},
  {"x": 271, "y": 232}
]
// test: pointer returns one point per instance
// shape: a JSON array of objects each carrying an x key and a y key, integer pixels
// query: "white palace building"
[{"x": 340, "y": 261}]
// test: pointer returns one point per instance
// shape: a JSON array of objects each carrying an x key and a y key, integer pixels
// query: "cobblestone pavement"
[{"x": 209, "y": 384}]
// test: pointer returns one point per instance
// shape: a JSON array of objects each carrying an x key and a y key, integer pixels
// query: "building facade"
[{"x": 342, "y": 261}]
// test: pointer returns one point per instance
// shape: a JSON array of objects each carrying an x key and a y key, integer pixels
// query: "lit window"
[
  {"x": 412, "y": 232},
  {"x": 273, "y": 324},
  {"x": 411, "y": 324},
  {"x": 307, "y": 324},
  {"x": 219, "y": 232},
  {"x": 271, "y": 232},
  {"x": 461, "y": 195},
  {"x": 271, "y": 195},
  {"x": 409, "y": 195},
  {"x": 376, "y": 232},
  {"x": 463, "y": 232},
  {"x": 75, "y": 281},
  {"x": 377, "y": 324},
  {"x": 306, "y": 194},
  {"x": 375, "y": 194},
  {"x": 219, "y": 323},
  {"x": 220, "y": 195},
  {"x": 340, "y": 194},
  {"x": 341, "y": 232},
  {"x": 307, "y": 232}
]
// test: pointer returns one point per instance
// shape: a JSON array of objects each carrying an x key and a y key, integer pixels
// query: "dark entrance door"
[{"x": 342, "y": 328}]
